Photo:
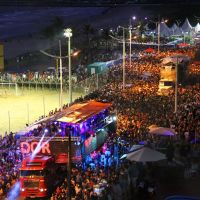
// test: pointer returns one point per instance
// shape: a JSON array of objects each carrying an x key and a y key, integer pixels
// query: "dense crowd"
[
  {"x": 137, "y": 106},
  {"x": 10, "y": 160}
]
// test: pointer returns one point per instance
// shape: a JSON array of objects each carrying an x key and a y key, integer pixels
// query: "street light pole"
[
  {"x": 61, "y": 78},
  {"x": 158, "y": 37},
  {"x": 70, "y": 72},
  {"x": 123, "y": 54},
  {"x": 176, "y": 87},
  {"x": 68, "y": 34},
  {"x": 69, "y": 164},
  {"x": 123, "y": 64},
  {"x": 130, "y": 34}
]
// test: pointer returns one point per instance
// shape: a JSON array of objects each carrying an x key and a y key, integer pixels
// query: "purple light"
[{"x": 14, "y": 191}]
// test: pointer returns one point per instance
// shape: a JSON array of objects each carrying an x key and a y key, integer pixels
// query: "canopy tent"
[
  {"x": 123, "y": 156},
  {"x": 164, "y": 30},
  {"x": 180, "y": 57},
  {"x": 197, "y": 28},
  {"x": 175, "y": 30},
  {"x": 174, "y": 59},
  {"x": 179, "y": 197},
  {"x": 167, "y": 60},
  {"x": 197, "y": 62},
  {"x": 149, "y": 50},
  {"x": 145, "y": 154},
  {"x": 186, "y": 27},
  {"x": 182, "y": 45},
  {"x": 162, "y": 131},
  {"x": 153, "y": 126},
  {"x": 136, "y": 147}
]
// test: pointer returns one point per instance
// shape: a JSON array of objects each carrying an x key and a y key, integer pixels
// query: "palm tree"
[
  {"x": 55, "y": 29},
  {"x": 106, "y": 36},
  {"x": 88, "y": 31}
]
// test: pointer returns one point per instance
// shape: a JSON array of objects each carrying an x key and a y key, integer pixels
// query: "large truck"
[
  {"x": 39, "y": 176},
  {"x": 83, "y": 128}
]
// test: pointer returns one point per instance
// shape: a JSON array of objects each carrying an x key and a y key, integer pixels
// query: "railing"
[{"x": 45, "y": 139}]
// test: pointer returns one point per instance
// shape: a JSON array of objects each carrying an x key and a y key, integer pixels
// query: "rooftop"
[{"x": 82, "y": 111}]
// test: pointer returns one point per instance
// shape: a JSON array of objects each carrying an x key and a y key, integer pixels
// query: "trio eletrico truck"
[{"x": 39, "y": 176}]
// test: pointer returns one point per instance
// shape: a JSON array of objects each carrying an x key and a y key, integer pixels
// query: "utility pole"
[
  {"x": 158, "y": 37},
  {"x": 176, "y": 87},
  {"x": 68, "y": 34},
  {"x": 123, "y": 64},
  {"x": 130, "y": 34},
  {"x": 130, "y": 38},
  {"x": 69, "y": 162},
  {"x": 70, "y": 70},
  {"x": 123, "y": 55},
  {"x": 61, "y": 80}
]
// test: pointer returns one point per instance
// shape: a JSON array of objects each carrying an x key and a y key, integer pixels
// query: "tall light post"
[
  {"x": 124, "y": 62},
  {"x": 123, "y": 53},
  {"x": 158, "y": 23},
  {"x": 158, "y": 37},
  {"x": 68, "y": 34},
  {"x": 61, "y": 71},
  {"x": 176, "y": 86},
  {"x": 61, "y": 78},
  {"x": 130, "y": 38},
  {"x": 130, "y": 34}
]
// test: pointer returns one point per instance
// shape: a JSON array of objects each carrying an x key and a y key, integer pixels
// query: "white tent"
[
  {"x": 175, "y": 30},
  {"x": 197, "y": 28},
  {"x": 164, "y": 30},
  {"x": 174, "y": 59},
  {"x": 145, "y": 154},
  {"x": 162, "y": 131},
  {"x": 186, "y": 27},
  {"x": 136, "y": 147}
]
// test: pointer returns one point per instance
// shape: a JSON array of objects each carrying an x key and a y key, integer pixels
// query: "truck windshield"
[{"x": 31, "y": 173}]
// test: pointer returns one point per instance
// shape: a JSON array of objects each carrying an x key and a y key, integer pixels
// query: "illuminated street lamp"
[
  {"x": 68, "y": 34},
  {"x": 130, "y": 37}
]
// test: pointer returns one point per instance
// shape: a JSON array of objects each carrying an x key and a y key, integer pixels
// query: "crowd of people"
[
  {"x": 10, "y": 161},
  {"x": 137, "y": 106}
]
